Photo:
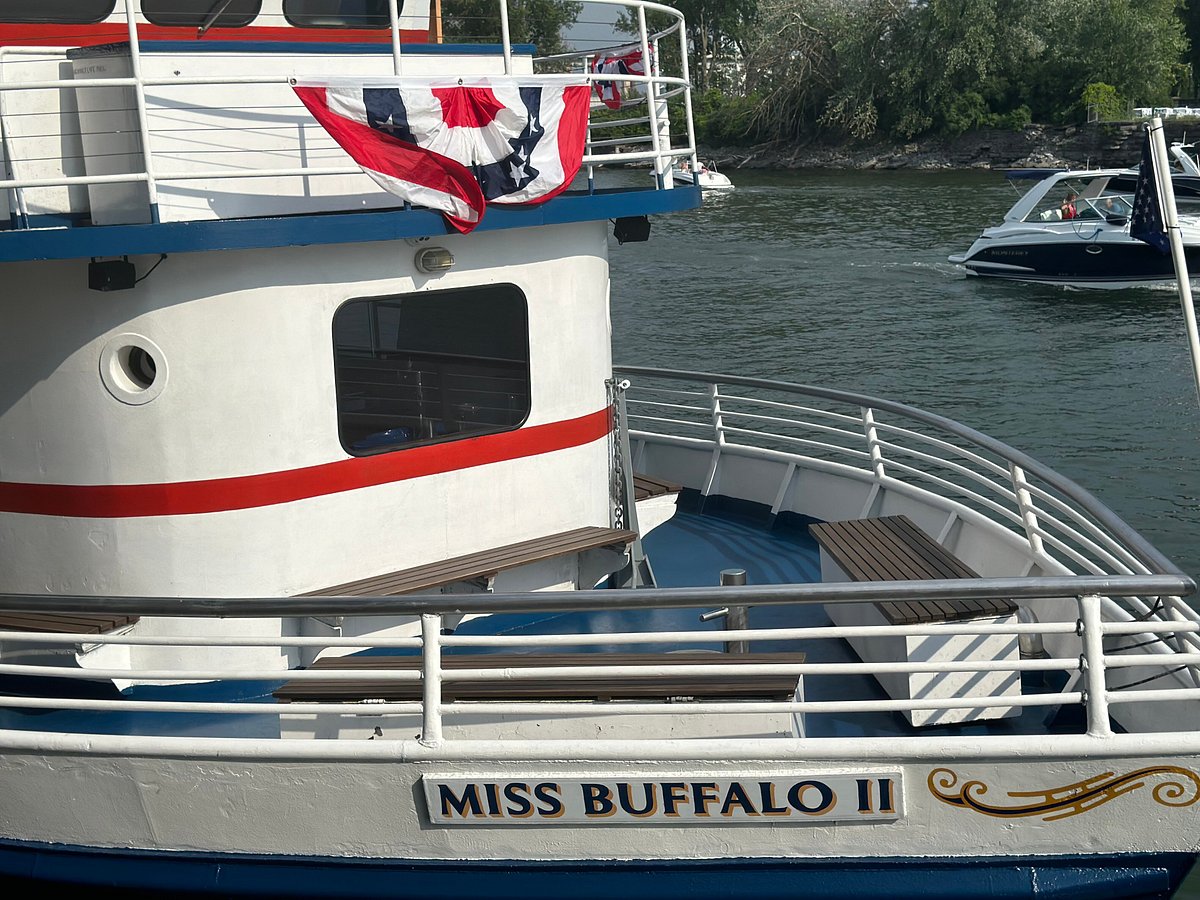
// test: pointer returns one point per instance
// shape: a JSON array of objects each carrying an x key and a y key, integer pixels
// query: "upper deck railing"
[{"x": 146, "y": 131}]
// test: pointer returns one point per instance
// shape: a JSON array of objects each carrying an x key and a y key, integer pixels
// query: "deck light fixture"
[{"x": 434, "y": 260}]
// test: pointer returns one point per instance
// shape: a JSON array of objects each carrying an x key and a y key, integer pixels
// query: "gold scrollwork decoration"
[{"x": 1178, "y": 787}]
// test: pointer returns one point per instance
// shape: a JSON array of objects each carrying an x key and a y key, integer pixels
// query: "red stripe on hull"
[
  {"x": 116, "y": 501},
  {"x": 54, "y": 35}
]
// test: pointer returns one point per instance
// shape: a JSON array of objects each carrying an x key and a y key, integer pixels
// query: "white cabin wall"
[
  {"x": 247, "y": 345},
  {"x": 41, "y": 131},
  {"x": 223, "y": 128}
]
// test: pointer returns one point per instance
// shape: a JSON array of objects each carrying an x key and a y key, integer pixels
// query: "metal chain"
[{"x": 616, "y": 475}]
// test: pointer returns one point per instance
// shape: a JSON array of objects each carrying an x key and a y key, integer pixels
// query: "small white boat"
[{"x": 706, "y": 176}]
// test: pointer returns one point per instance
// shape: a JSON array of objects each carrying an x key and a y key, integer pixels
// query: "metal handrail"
[
  {"x": 657, "y": 86},
  {"x": 1144, "y": 551},
  {"x": 1049, "y": 586}
]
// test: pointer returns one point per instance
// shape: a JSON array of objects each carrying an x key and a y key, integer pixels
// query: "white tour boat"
[{"x": 338, "y": 559}]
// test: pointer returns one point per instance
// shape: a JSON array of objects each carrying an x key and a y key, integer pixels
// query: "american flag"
[
  {"x": 621, "y": 61},
  {"x": 457, "y": 146},
  {"x": 1147, "y": 223}
]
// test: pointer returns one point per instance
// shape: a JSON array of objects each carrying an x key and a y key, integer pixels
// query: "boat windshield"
[{"x": 1084, "y": 197}]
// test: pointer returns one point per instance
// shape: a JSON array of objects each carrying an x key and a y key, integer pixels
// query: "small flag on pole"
[
  {"x": 1147, "y": 223},
  {"x": 622, "y": 61}
]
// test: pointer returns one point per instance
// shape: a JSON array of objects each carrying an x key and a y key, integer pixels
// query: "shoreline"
[{"x": 1036, "y": 146}]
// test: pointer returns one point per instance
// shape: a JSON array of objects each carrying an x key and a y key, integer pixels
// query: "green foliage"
[
  {"x": 538, "y": 22},
  {"x": 1104, "y": 99},
  {"x": 966, "y": 111},
  {"x": 910, "y": 67},
  {"x": 722, "y": 119},
  {"x": 715, "y": 36}
]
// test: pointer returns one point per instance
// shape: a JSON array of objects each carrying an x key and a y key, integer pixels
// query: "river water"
[{"x": 841, "y": 280}]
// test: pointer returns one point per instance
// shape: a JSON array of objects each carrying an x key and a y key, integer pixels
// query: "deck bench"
[
  {"x": 486, "y": 564},
  {"x": 715, "y": 686},
  {"x": 645, "y": 487},
  {"x": 603, "y": 718},
  {"x": 65, "y": 623},
  {"x": 893, "y": 548}
]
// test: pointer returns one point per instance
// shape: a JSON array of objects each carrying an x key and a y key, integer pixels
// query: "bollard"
[{"x": 736, "y": 618}]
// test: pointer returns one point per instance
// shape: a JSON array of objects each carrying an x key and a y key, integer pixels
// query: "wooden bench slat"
[
  {"x": 598, "y": 687},
  {"x": 482, "y": 564},
  {"x": 67, "y": 623},
  {"x": 645, "y": 487},
  {"x": 893, "y": 548}
]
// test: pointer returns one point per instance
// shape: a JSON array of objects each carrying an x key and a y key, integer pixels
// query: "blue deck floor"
[{"x": 687, "y": 551}]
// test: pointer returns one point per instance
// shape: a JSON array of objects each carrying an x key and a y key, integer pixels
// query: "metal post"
[
  {"x": 639, "y": 565},
  {"x": 1166, "y": 192},
  {"x": 737, "y": 618},
  {"x": 651, "y": 95},
  {"x": 394, "y": 14},
  {"x": 139, "y": 91},
  {"x": 714, "y": 400},
  {"x": 663, "y": 117},
  {"x": 431, "y": 679},
  {"x": 1095, "y": 689},
  {"x": 504, "y": 37},
  {"x": 685, "y": 71},
  {"x": 1025, "y": 507},
  {"x": 868, "y": 418}
]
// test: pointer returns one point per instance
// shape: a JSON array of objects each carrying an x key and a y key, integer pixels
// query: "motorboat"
[
  {"x": 340, "y": 560},
  {"x": 1085, "y": 243},
  {"x": 705, "y": 175}
]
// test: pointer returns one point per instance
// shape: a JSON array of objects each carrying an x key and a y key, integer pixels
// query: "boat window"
[
  {"x": 337, "y": 13},
  {"x": 59, "y": 12},
  {"x": 433, "y": 366},
  {"x": 197, "y": 13}
]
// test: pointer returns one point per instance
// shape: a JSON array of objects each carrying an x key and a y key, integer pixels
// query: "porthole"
[{"x": 133, "y": 369}]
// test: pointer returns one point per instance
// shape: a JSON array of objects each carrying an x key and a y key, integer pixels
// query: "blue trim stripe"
[
  {"x": 26, "y": 867},
  {"x": 328, "y": 228}
]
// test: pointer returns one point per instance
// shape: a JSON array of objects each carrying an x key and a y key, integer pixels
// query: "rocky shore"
[{"x": 1037, "y": 146}]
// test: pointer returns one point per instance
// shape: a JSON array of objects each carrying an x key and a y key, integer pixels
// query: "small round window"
[{"x": 133, "y": 368}]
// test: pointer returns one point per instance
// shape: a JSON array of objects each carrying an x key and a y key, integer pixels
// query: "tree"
[
  {"x": 716, "y": 34},
  {"x": 537, "y": 22},
  {"x": 1136, "y": 46}
]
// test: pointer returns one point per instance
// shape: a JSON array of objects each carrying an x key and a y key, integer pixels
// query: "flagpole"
[{"x": 1166, "y": 193}]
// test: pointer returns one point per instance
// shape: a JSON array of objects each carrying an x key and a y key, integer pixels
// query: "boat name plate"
[{"x": 676, "y": 799}]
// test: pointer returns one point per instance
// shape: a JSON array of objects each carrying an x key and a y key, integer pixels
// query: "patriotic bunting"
[{"x": 455, "y": 146}]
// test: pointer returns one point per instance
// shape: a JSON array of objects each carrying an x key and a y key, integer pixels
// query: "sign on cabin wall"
[{"x": 809, "y": 798}]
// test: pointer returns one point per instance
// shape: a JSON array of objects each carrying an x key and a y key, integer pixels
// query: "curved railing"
[{"x": 894, "y": 444}]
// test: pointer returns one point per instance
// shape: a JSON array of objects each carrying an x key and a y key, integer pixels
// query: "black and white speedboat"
[{"x": 1072, "y": 228}]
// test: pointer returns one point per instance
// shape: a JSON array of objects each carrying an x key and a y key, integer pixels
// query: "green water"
[{"x": 842, "y": 280}]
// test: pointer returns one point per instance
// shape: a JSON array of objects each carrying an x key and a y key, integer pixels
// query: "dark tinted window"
[
  {"x": 337, "y": 13},
  {"x": 62, "y": 12},
  {"x": 196, "y": 13},
  {"x": 429, "y": 367}
]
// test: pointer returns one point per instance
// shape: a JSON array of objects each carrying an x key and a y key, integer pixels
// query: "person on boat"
[
  {"x": 1116, "y": 206},
  {"x": 1068, "y": 206}
]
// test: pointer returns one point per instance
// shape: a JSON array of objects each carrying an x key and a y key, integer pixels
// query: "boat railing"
[
  {"x": 164, "y": 153},
  {"x": 887, "y": 445},
  {"x": 1094, "y": 679}
]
